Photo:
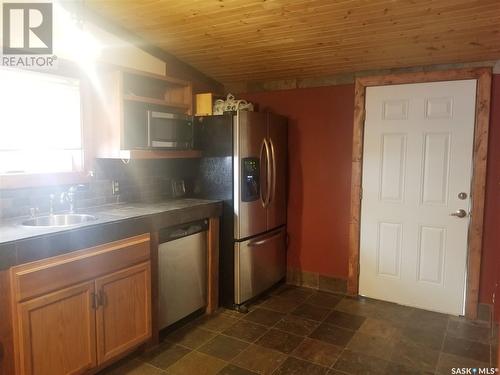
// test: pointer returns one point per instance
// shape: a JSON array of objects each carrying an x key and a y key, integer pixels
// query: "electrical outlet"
[{"x": 115, "y": 187}]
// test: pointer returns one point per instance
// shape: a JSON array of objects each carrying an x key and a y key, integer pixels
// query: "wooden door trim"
[{"x": 480, "y": 156}]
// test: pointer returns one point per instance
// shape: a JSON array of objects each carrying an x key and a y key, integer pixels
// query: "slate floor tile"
[
  {"x": 297, "y": 325},
  {"x": 428, "y": 320},
  {"x": 428, "y": 338},
  {"x": 235, "y": 370},
  {"x": 280, "y": 304},
  {"x": 464, "y": 329},
  {"x": 231, "y": 312},
  {"x": 410, "y": 354},
  {"x": 217, "y": 322},
  {"x": 191, "y": 337},
  {"x": 324, "y": 299},
  {"x": 197, "y": 363},
  {"x": 294, "y": 366},
  {"x": 318, "y": 352},
  {"x": 223, "y": 347},
  {"x": 466, "y": 348},
  {"x": 357, "y": 306},
  {"x": 259, "y": 359},
  {"x": 246, "y": 331},
  {"x": 332, "y": 334},
  {"x": 133, "y": 367},
  {"x": 359, "y": 363},
  {"x": 345, "y": 320},
  {"x": 398, "y": 315},
  {"x": 380, "y": 328},
  {"x": 295, "y": 293},
  {"x": 312, "y": 312},
  {"x": 264, "y": 317},
  {"x": 395, "y": 368},
  {"x": 297, "y": 330},
  {"x": 449, "y": 361},
  {"x": 279, "y": 340},
  {"x": 165, "y": 355},
  {"x": 374, "y": 346}
]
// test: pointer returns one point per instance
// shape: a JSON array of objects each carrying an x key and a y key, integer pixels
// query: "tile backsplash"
[{"x": 139, "y": 180}]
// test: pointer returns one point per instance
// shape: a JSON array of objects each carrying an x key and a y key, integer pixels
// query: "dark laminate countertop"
[{"x": 20, "y": 244}]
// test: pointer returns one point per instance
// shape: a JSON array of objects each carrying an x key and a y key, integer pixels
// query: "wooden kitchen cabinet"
[
  {"x": 57, "y": 332},
  {"x": 124, "y": 313},
  {"x": 79, "y": 311}
]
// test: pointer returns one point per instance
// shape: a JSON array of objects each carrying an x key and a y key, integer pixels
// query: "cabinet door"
[
  {"x": 57, "y": 332},
  {"x": 124, "y": 313}
]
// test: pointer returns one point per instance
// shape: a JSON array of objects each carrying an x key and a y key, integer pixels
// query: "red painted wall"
[{"x": 320, "y": 135}]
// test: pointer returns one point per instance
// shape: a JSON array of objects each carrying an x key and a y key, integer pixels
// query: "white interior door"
[{"x": 417, "y": 159}]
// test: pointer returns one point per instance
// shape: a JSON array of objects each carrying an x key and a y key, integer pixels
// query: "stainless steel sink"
[{"x": 62, "y": 220}]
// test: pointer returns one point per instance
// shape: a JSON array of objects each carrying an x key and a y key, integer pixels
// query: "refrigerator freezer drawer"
[{"x": 260, "y": 263}]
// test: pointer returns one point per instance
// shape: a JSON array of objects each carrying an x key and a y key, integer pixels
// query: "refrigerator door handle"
[
  {"x": 150, "y": 118},
  {"x": 262, "y": 198},
  {"x": 269, "y": 172},
  {"x": 273, "y": 178},
  {"x": 265, "y": 240}
]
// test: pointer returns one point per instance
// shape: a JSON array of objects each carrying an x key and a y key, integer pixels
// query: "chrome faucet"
[
  {"x": 70, "y": 197},
  {"x": 34, "y": 211},
  {"x": 51, "y": 204}
]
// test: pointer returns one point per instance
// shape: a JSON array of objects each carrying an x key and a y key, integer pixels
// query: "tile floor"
[{"x": 303, "y": 331}]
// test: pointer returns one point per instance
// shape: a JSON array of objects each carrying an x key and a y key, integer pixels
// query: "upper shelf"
[
  {"x": 145, "y": 99},
  {"x": 166, "y": 79},
  {"x": 160, "y": 154}
]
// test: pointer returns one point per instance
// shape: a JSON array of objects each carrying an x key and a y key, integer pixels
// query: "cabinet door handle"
[
  {"x": 101, "y": 298},
  {"x": 94, "y": 300}
]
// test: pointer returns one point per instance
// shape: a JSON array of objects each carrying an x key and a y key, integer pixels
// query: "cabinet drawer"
[{"x": 41, "y": 277}]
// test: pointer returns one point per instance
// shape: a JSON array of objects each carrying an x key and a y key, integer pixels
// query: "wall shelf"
[
  {"x": 160, "y": 154},
  {"x": 144, "y": 99}
]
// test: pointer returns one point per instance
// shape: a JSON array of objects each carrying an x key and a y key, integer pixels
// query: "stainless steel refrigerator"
[{"x": 245, "y": 164}]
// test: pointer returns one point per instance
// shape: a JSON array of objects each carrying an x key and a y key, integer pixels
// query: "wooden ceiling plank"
[
  {"x": 304, "y": 37},
  {"x": 419, "y": 14}
]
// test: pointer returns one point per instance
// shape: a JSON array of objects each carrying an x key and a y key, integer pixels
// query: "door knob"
[{"x": 459, "y": 213}]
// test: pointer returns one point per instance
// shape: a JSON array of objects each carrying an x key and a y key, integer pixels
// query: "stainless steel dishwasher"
[{"x": 182, "y": 271}]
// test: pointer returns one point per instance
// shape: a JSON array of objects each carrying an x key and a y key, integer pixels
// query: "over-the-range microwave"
[
  {"x": 152, "y": 127},
  {"x": 169, "y": 130}
]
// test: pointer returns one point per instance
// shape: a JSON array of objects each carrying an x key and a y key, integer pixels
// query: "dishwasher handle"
[{"x": 182, "y": 230}]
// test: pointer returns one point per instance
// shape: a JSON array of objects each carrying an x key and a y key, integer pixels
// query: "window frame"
[{"x": 25, "y": 180}]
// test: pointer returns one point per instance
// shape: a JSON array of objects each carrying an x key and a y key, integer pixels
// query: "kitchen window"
[{"x": 40, "y": 123}]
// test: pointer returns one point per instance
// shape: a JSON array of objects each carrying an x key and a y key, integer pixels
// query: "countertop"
[{"x": 20, "y": 244}]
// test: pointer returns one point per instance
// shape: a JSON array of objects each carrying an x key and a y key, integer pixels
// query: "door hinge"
[{"x": 360, "y": 193}]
